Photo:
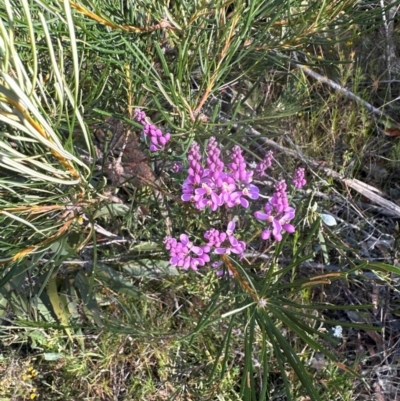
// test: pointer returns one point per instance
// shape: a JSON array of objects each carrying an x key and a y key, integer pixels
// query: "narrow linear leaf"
[{"x": 57, "y": 305}]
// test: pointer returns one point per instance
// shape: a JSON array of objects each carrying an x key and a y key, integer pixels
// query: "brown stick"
[{"x": 320, "y": 78}]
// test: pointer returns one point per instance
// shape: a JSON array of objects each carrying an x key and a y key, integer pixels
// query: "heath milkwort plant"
[{"x": 212, "y": 184}]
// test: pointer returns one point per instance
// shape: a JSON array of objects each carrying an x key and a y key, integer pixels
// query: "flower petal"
[
  {"x": 261, "y": 216},
  {"x": 266, "y": 234},
  {"x": 289, "y": 228},
  {"x": 184, "y": 239},
  {"x": 231, "y": 228}
]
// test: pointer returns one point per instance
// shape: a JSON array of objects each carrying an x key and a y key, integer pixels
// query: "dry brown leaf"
[{"x": 125, "y": 161}]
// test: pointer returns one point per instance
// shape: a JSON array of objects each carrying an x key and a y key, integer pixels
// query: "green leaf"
[
  {"x": 3, "y": 306},
  {"x": 146, "y": 246},
  {"x": 150, "y": 268},
  {"x": 91, "y": 307},
  {"x": 302, "y": 330},
  {"x": 117, "y": 281},
  {"x": 111, "y": 210},
  {"x": 310, "y": 236},
  {"x": 58, "y": 305},
  {"x": 383, "y": 267},
  {"x": 292, "y": 358}
]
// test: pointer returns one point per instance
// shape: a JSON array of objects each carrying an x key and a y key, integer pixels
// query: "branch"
[{"x": 345, "y": 92}]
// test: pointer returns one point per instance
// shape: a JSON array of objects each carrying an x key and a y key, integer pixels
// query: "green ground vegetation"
[{"x": 90, "y": 307}]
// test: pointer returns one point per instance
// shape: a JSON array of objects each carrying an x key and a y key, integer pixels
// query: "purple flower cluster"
[
  {"x": 158, "y": 140},
  {"x": 177, "y": 167},
  {"x": 299, "y": 181},
  {"x": 278, "y": 214},
  {"x": 265, "y": 163},
  {"x": 213, "y": 184},
  {"x": 185, "y": 254},
  {"x": 225, "y": 242}
]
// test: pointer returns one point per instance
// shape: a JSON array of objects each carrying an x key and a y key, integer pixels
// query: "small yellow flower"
[
  {"x": 32, "y": 396},
  {"x": 25, "y": 377},
  {"x": 30, "y": 368},
  {"x": 349, "y": 43},
  {"x": 320, "y": 57}
]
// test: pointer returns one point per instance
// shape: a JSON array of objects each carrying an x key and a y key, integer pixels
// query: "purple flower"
[
  {"x": 227, "y": 188},
  {"x": 196, "y": 174},
  {"x": 214, "y": 237},
  {"x": 251, "y": 191},
  {"x": 185, "y": 254},
  {"x": 238, "y": 166},
  {"x": 242, "y": 179},
  {"x": 214, "y": 163},
  {"x": 157, "y": 139},
  {"x": 299, "y": 181},
  {"x": 140, "y": 116},
  {"x": 196, "y": 170},
  {"x": 225, "y": 243},
  {"x": 279, "y": 199},
  {"x": 265, "y": 163},
  {"x": 278, "y": 214},
  {"x": 234, "y": 246},
  {"x": 279, "y": 220},
  {"x": 189, "y": 245},
  {"x": 230, "y": 228},
  {"x": 187, "y": 191},
  {"x": 211, "y": 186},
  {"x": 206, "y": 196},
  {"x": 177, "y": 167}
]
